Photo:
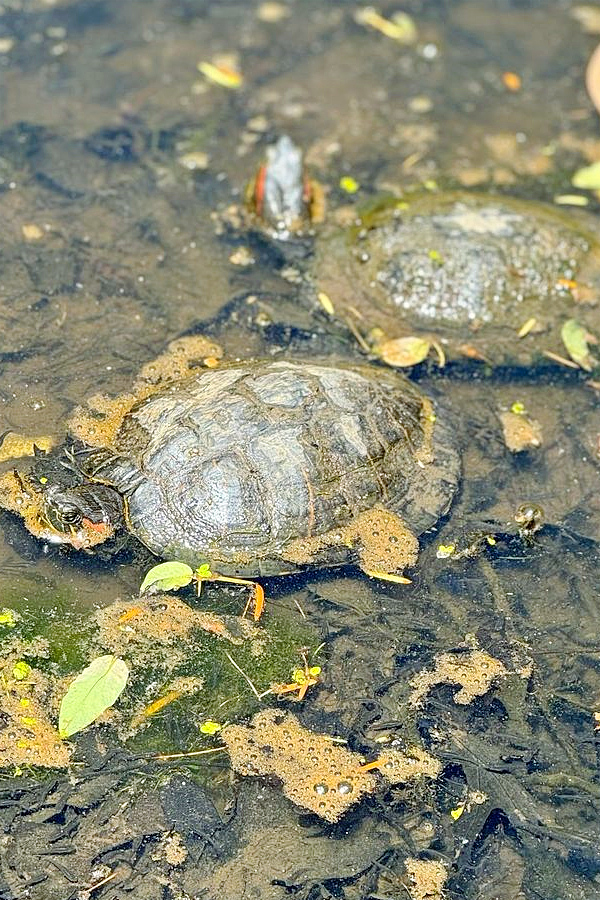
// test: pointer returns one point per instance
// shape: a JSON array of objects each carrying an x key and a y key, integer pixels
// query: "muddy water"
[{"x": 110, "y": 247}]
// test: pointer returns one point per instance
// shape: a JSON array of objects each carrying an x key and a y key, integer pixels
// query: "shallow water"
[{"x": 110, "y": 248}]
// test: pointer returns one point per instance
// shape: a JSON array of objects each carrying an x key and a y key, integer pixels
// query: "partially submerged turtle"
[
  {"x": 484, "y": 277},
  {"x": 489, "y": 278},
  {"x": 258, "y": 468}
]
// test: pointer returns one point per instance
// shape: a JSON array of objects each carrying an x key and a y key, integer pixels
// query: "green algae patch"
[{"x": 161, "y": 666}]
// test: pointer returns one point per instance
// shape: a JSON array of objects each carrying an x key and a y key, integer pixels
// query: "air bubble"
[
  {"x": 344, "y": 787},
  {"x": 321, "y": 788}
]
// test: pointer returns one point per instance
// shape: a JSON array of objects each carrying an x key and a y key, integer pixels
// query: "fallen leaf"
[
  {"x": 404, "y": 351},
  {"x": 221, "y": 74},
  {"x": 571, "y": 200},
  {"x": 400, "y": 27},
  {"x": 91, "y": 693},
  {"x": 511, "y": 81},
  {"x": 588, "y": 178},
  {"x": 576, "y": 338},
  {"x": 167, "y": 576}
]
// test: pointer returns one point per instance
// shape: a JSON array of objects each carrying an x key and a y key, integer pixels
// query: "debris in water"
[
  {"x": 471, "y": 668},
  {"x": 316, "y": 773},
  {"x": 520, "y": 431}
]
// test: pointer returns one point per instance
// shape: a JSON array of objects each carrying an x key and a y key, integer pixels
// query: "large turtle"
[{"x": 258, "y": 468}]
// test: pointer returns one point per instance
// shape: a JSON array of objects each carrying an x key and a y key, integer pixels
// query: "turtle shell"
[
  {"x": 492, "y": 278},
  {"x": 238, "y": 465}
]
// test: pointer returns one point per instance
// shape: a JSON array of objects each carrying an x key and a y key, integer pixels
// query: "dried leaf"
[
  {"x": 168, "y": 576},
  {"x": 576, "y": 337},
  {"x": 91, "y": 693},
  {"x": 404, "y": 351}
]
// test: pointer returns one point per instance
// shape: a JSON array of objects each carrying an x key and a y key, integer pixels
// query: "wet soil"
[{"x": 110, "y": 249}]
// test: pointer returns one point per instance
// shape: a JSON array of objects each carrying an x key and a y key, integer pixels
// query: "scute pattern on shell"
[{"x": 233, "y": 464}]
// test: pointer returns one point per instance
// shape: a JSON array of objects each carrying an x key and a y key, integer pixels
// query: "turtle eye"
[{"x": 69, "y": 514}]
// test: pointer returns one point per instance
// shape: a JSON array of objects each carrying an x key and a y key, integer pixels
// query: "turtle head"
[{"x": 83, "y": 516}]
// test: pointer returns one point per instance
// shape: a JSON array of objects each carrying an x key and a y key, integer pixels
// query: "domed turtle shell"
[
  {"x": 474, "y": 270},
  {"x": 263, "y": 467}
]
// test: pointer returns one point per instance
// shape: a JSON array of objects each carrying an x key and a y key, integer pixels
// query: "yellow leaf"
[
  {"x": 387, "y": 576},
  {"x": 221, "y": 74},
  {"x": 210, "y": 727},
  {"x": 587, "y": 178},
  {"x": 326, "y": 303},
  {"x": 457, "y": 813},
  {"x": 349, "y": 184},
  {"x": 445, "y": 551}
]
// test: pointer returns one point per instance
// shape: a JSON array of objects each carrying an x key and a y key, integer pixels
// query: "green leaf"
[
  {"x": 91, "y": 693},
  {"x": 587, "y": 178},
  {"x": 576, "y": 337},
  {"x": 203, "y": 572},
  {"x": 168, "y": 576}
]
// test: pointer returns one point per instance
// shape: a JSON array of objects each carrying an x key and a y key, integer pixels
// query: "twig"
[{"x": 241, "y": 671}]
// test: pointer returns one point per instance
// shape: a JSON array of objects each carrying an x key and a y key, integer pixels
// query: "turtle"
[
  {"x": 480, "y": 277},
  {"x": 489, "y": 278},
  {"x": 257, "y": 467}
]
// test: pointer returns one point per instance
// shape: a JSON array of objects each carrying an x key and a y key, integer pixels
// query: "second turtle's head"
[{"x": 281, "y": 194}]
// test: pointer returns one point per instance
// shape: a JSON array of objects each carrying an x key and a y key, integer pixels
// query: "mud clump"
[
  {"x": 399, "y": 767},
  {"x": 426, "y": 878},
  {"x": 520, "y": 431},
  {"x": 383, "y": 542},
  {"x": 139, "y": 626},
  {"x": 316, "y": 773},
  {"x": 27, "y": 736},
  {"x": 98, "y": 422},
  {"x": 472, "y": 669}
]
